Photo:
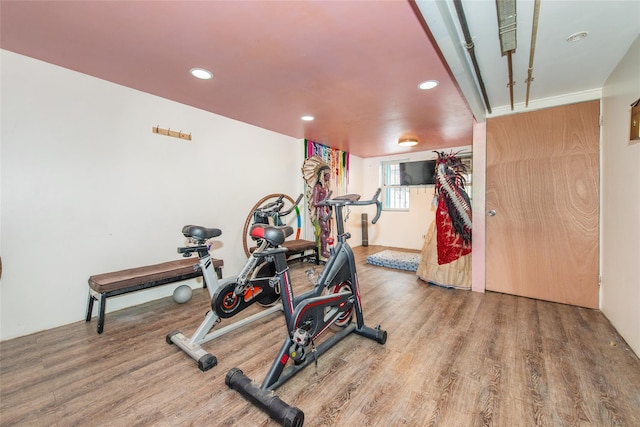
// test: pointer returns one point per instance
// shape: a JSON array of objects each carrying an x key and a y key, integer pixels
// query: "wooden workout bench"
[
  {"x": 103, "y": 286},
  {"x": 300, "y": 247}
]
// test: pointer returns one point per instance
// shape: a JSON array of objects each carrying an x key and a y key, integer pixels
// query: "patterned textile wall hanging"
[{"x": 337, "y": 160}]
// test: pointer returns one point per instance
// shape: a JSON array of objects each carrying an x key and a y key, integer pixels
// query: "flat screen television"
[{"x": 418, "y": 173}]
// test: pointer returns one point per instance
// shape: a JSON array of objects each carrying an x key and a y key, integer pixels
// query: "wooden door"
[{"x": 542, "y": 204}]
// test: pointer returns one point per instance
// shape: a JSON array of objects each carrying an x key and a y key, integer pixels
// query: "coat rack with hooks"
[{"x": 173, "y": 133}]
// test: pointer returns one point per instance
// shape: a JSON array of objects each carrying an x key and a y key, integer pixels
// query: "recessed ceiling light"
[
  {"x": 576, "y": 37},
  {"x": 307, "y": 118},
  {"x": 407, "y": 142},
  {"x": 429, "y": 84},
  {"x": 201, "y": 73}
]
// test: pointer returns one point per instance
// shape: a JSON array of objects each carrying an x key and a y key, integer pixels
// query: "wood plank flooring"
[{"x": 452, "y": 358}]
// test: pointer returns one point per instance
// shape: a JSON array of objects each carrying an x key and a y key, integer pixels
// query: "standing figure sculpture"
[{"x": 317, "y": 174}]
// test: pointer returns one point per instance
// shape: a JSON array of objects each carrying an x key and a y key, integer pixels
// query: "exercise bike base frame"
[
  {"x": 264, "y": 398},
  {"x": 193, "y": 346},
  {"x": 375, "y": 334},
  {"x": 278, "y": 410}
]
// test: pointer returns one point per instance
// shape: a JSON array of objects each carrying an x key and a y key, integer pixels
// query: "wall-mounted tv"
[{"x": 418, "y": 173}]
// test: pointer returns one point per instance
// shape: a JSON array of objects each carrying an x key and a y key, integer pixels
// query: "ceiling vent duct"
[
  {"x": 507, "y": 25},
  {"x": 507, "y": 33}
]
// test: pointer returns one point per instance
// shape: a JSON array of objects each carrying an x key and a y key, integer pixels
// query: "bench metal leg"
[
  {"x": 103, "y": 304},
  {"x": 90, "y": 307}
]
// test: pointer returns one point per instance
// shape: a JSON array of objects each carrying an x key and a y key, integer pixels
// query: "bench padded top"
[
  {"x": 299, "y": 245},
  {"x": 107, "y": 282}
]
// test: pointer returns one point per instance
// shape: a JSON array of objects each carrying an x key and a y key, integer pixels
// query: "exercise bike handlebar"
[
  {"x": 274, "y": 206},
  {"x": 326, "y": 217},
  {"x": 354, "y": 199},
  {"x": 278, "y": 204},
  {"x": 287, "y": 212},
  {"x": 373, "y": 200}
]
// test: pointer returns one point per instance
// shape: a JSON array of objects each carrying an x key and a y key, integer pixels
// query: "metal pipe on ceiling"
[
  {"x": 511, "y": 81},
  {"x": 470, "y": 48},
  {"x": 534, "y": 34}
]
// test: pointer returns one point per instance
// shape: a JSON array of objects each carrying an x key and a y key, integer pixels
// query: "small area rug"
[{"x": 395, "y": 259}]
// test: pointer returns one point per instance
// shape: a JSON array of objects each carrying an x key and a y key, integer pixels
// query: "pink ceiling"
[{"x": 354, "y": 65}]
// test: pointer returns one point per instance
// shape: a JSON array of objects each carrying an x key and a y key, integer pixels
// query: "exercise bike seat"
[
  {"x": 275, "y": 235},
  {"x": 200, "y": 233}
]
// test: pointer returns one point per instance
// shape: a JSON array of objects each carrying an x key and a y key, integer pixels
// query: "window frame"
[{"x": 402, "y": 190}]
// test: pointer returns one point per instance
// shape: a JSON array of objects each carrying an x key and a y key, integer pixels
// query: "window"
[{"x": 394, "y": 196}]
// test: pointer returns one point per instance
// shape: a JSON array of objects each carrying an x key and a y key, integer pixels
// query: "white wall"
[
  {"x": 87, "y": 188},
  {"x": 620, "y": 175},
  {"x": 403, "y": 229}
]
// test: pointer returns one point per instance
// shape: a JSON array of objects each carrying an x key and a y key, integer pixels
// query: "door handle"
[{"x": 491, "y": 213}]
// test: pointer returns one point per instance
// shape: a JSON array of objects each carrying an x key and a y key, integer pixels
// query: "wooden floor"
[{"x": 452, "y": 358}]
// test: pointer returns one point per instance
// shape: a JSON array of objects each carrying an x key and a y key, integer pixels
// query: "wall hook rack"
[{"x": 173, "y": 133}]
